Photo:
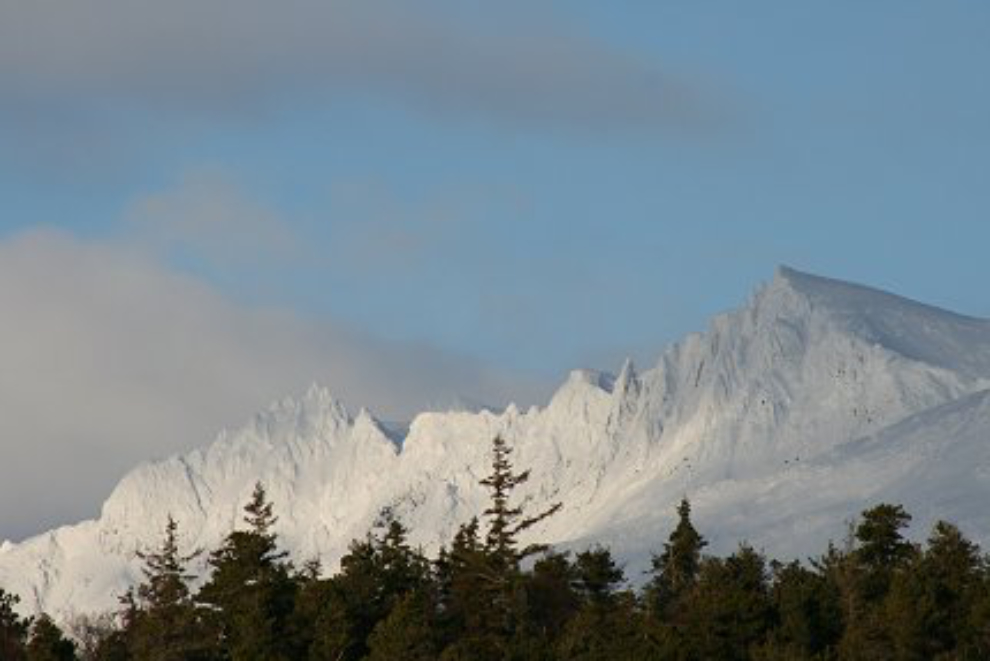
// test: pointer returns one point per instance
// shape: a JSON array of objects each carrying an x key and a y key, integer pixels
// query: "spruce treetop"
[
  {"x": 258, "y": 513},
  {"x": 681, "y": 554},
  {"x": 881, "y": 542},
  {"x": 505, "y": 521},
  {"x": 675, "y": 570},
  {"x": 164, "y": 571}
]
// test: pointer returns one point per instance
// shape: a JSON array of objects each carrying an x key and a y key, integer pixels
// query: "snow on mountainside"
[{"x": 784, "y": 419}]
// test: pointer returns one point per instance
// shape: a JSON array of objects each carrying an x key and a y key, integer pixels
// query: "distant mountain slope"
[{"x": 784, "y": 419}]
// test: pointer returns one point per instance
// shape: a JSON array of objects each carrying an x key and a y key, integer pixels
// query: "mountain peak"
[
  {"x": 851, "y": 298},
  {"x": 319, "y": 396},
  {"x": 904, "y": 327},
  {"x": 775, "y": 396},
  {"x": 317, "y": 412},
  {"x": 820, "y": 289},
  {"x": 628, "y": 379}
]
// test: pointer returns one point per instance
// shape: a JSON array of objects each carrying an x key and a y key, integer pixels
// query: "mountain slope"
[{"x": 783, "y": 419}]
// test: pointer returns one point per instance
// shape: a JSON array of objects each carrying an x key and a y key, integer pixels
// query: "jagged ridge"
[{"x": 779, "y": 421}]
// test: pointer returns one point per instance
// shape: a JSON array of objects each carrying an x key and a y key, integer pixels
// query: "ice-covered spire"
[
  {"x": 627, "y": 383},
  {"x": 316, "y": 413}
]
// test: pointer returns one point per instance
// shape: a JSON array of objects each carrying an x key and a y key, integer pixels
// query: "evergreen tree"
[
  {"x": 376, "y": 575},
  {"x": 13, "y": 629},
  {"x": 402, "y": 569},
  {"x": 506, "y": 522},
  {"x": 47, "y": 643},
  {"x": 333, "y": 638},
  {"x": 879, "y": 553},
  {"x": 311, "y": 597},
  {"x": 467, "y": 627},
  {"x": 603, "y": 634},
  {"x": 808, "y": 610},
  {"x": 597, "y": 577},
  {"x": 250, "y": 593},
  {"x": 550, "y": 595},
  {"x": 729, "y": 611},
  {"x": 881, "y": 548},
  {"x": 482, "y": 592},
  {"x": 408, "y": 633},
  {"x": 352, "y": 607},
  {"x": 930, "y": 601},
  {"x": 977, "y": 644},
  {"x": 164, "y": 572},
  {"x": 166, "y": 625},
  {"x": 607, "y": 625},
  {"x": 675, "y": 571}
]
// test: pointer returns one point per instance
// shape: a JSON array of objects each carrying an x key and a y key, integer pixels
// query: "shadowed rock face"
[{"x": 782, "y": 421}]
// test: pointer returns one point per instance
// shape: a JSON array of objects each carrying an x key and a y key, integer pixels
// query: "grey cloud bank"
[
  {"x": 110, "y": 359},
  {"x": 208, "y": 213},
  {"x": 237, "y": 57}
]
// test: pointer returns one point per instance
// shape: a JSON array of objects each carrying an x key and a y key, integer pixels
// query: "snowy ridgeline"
[{"x": 781, "y": 422}]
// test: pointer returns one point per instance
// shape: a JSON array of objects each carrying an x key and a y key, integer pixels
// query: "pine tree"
[
  {"x": 482, "y": 593},
  {"x": 47, "y": 643},
  {"x": 607, "y": 624},
  {"x": 880, "y": 552},
  {"x": 929, "y": 601},
  {"x": 13, "y": 629},
  {"x": 376, "y": 575},
  {"x": 551, "y": 597},
  {"x": 808, "y": 608},
  {"x": 506, "y": 522},
  {"x": 402, "y": 570},
  {"x": 675, "y": 570},
  {"x": 882, "y": 546},
  {"x": 408, "y": 633},
  {"x": 500, "y": 580},
  {"x": 462, "y": 575},
  {"x": 333, "y": 638},
  {"x": 311, "y": 597},
  {"x": 597, "y": 577},
  {"x": 250, "y": 593},
  {"x": 729, "y": 611},
  {"x": 166, "y": 579},
  {"x": 166, "y": 625},
  {"x": 351, "y": 607},
  {"x": 604, "y": 633}
]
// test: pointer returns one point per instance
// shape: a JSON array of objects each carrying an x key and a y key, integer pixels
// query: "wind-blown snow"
[{"x": 781, "y": 422}]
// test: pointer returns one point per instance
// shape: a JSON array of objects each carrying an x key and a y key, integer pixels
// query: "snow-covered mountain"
[{"x": 782, "y": 421}]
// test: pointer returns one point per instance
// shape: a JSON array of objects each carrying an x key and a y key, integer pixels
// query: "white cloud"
[{"x": 109, "y": 359}]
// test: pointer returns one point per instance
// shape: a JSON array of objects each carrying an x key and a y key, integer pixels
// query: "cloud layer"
[
  {"x": 110, "y": 359},
  {"x": 226, "y": 56},
  {"x": 211, "y": 216}
]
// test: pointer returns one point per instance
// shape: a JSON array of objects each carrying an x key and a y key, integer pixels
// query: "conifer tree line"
[{"x": 485, "y": 597}]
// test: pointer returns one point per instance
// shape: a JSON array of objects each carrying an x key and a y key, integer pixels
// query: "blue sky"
[
  {"x": 847, "y": 139},
  {"x": 511, "y": 191}
]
